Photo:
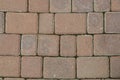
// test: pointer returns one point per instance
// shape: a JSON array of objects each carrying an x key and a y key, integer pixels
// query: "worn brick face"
[
  {"x": 1, "y": 22},
  {"x": 59, "y": 67},
  {"x": 9, "y": 44},
  {"x": 70, "y": 23},
  {"x": 14, "y": 79},
  {"x": 112, "y": 22},
  {"x": 60, "y": 5},
  {"x": 106, "y": 44},
  {"x": 92, "y": 67},
  {"x": 115, "y": 5},
  {"x": 9, "y": 5},
  {"x": 21, "y": 23}
]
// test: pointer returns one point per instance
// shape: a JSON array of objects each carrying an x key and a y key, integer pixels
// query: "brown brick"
[
  {"x": 115, "y": 67},
  {"x": 112, "y": 22},
  {"x": 92, "y": 67},
  {"x": 9, "y": 66},
  {"x": 9, "y": 44},
  {"x": 21, "y": 23},
  {"x": 101, "y": 5},
  {"x": 107, "y": 44},
  {"x": 28, "y": 44},
  {"x": 31, "y": 67},
  {"x": 59, "y": 67},
  {"x": 48, "y": 45},
  {"x": 70, "y": 23},
  {"x": 13, "y": 78},
  {"x": 84, "y": 45},
  {"x": 82, "y": 5},
  {"x": 60, "y": 5},
  {"x": 95, "y": 23},
  {"x": 115, "y": 5},
  {"x": 46, "y": 23},
  {"x": 13, "y": 5},
  {"x": 68, "y": 45},
  {"x": 1, "y": 22},
  {"x": 39, "y": 5}
]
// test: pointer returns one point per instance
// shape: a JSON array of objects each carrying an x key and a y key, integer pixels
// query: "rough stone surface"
[{"x": 1, "y": 22}]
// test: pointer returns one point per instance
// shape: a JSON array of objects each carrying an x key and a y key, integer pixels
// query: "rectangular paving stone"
[
  {"x": 95, "y": 23},
  {"x": 115, "y": 67},
  {"x": 60, "y": 5},
  {"x": 68, "y": 45},
  {"x": 48, "y": 45},
  {"x": 29, "y": 45},
  {"x": 115, "y": 5},
  {"x": 46, "y": 23},
  {"x": 31, "y": 67},
  {"x": 112, "y": 22},
  {"x": 9, "y": 66},
  {"x": 1, "y": 22},
  {"x": 9, "y": 5},
  {"x": 90, "y": 79},
  {"x": 82, "y": 5},
  {"x": 59, "y": 67},
  {"x": 42, "y": 79},
  {"x": 107, "y": 44},
  {"x": 9, "y": 44},
  {"x": 21, "y": 23},
  {"x": 70, "y": 23},
  {"x": 14, "y": 79},
  {"x": 92, "y": 67}
]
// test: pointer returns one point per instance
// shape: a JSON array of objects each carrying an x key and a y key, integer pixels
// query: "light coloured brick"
[
  {"x": 14, "y": 79},
  {"x": 48, "y": 45},
  {"x": 106, "y": 44},
  {"x": 29, "y": 45},
  {"x": 42, "y": 79},
  {"x": 9, "y": 44},
  {"x": 59, "y": 67},
  {"x": 101, "y": 5},
  {"x": 115, "y": 5},
  {"x": 9, "y": 5},
  {"x": 92, "y": 67},
  {"x": 84, "y": 45},
  {"x": 95, "y": 23},
  {"x": 112, "y": 22},
  {"x": 82, "y": 5},
  {"x": 9, "y": 66},
  {"x": 115, "y": 67},
  {"x": 39, "y": 5},
  {"x": 31, "y": 67},
  {"x": 21, "y": 23},
  {"x": 60, "y": 5},
  {"x": 1, "y": 22},
  {"x": 70, "y": 23},
  {"x": 46, "y": 23},
  {"x": 68, "y": 45}
]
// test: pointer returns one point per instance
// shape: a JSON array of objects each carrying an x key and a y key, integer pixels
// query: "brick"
[
  {"x": 31, "y": 67},
  {"x": 46, "y": 23},
  {"x": 92, "y": 67},
  {"x": 60, "y": 5},
  {"x": 111, "y": 79},
  {"x": 14, "y": 79},
  {"x": 112, "y": 22},
  {"x": 42, "y": 79},
  {"x": 115, "y": 67},
  {"x": 59, "y": 67},
  {"x": 9, "y": 66},
  {"x": 69, "y": 79},
  {"x": 106, "y": 44},
  {"x": 70, "y": 23},
  {"x": 9, "y": 44},
  {"x": 115, "y": 5},
  {"x": 1, "y": 22},
  {"x": 84, "y": 45},
  {"x": 28, "y": 44},
  {"x": 68, "y": 45},
  {"x": 21, "y": 23},
  {"x": 48, "y": 45},
  {"x": 101, "y": 5},
  {"x": 90, "y": 79},
  {"x": 9, "y": 5},
  {"x": 95, "y": 23},
  {"x": 82, "y": 6},
  {"x": 39, "y": 5}
]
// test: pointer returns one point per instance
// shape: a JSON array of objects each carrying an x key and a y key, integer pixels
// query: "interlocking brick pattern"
[{"x": 59, "y": 39}]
